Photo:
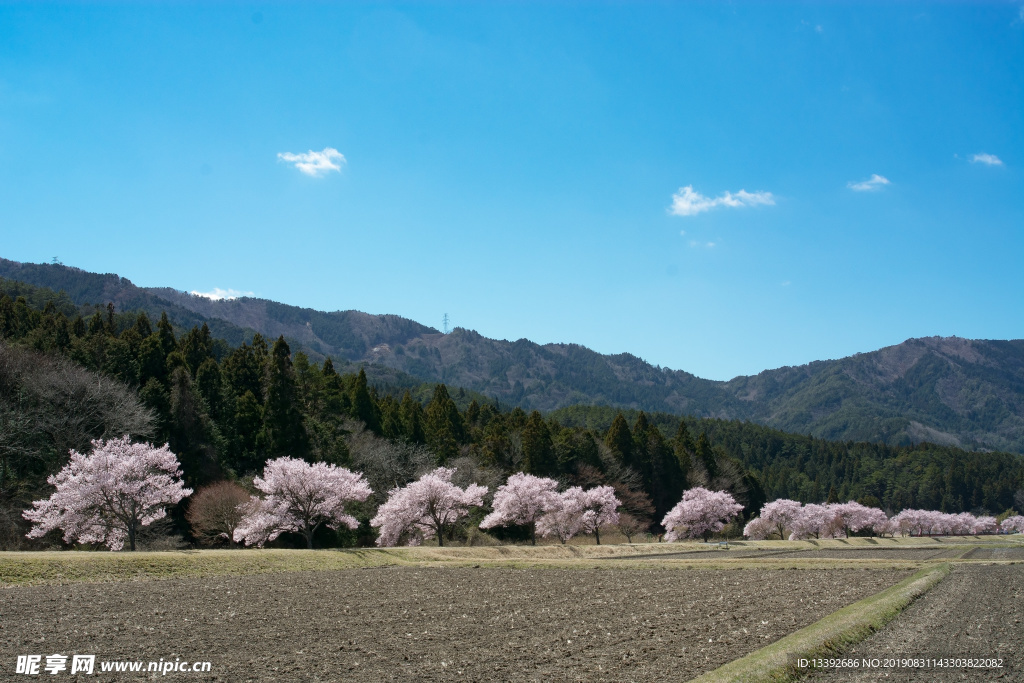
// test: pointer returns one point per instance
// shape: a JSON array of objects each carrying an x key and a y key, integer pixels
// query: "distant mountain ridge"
[{"x": 948, "y": 390}]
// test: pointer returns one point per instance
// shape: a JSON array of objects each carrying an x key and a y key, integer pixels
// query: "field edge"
[{"x": 847, "y": 626}]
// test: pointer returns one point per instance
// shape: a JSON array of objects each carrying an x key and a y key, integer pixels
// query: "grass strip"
[
  {"x": 60, "y": 567},
  {"x": 775, "y": 663}
]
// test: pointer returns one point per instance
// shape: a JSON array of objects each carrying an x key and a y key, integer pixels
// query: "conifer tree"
[
  {"x": 412, "y": 416},
  {"x": 620, "y": 440},
  {"x": 282, "y": 421},
  {"x": 142, "y": 325},
  {"x": 538, "y": 450},
  {"x": 166, "y": 333},
  {"x": 362, "y": 403},
  {"x": 444, "y": 430},
  {"x": 684, "y": 448},
  {"x": 706, "y": 456}
]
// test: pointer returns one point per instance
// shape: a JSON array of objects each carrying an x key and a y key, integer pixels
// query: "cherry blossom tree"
[
  {"x": 700, "y": 513},
  {"x": 426, "y": 508},
  {"x": 890, "y": 527},
  {"x": 109, "y": 495},
  {"x": 758, "y": 529},
  {"x": 985, "y": 525},
  {"x": 814, "y": 520},
  {"x": 300, "y": 497},
  {"x": 564, "y": 520},
  {"x": 775, "y": 517},
  {"x": 1013, "y": 524},
  {"x": 599, "y": 506},
  {"x": 522, "y": 499},
  {"x": 852, "y": 517},
  {"x": 578, "y": 511}
]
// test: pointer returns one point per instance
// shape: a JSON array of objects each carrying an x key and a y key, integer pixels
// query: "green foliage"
[{"x": 226, "y": 410}]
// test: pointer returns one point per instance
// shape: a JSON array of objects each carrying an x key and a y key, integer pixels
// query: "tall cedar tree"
[
  {"x": 538, "y": 450},
  {"x": 362, "y": 403},
  {"x": 620, "y": 440},
  {"x": 282, "y": 421},
  {"x": 684, "y": 448},
  {"x": 444, "y": 429},
  {"x": 413, "y": 417},
  {"x": 706, "y": 456}
]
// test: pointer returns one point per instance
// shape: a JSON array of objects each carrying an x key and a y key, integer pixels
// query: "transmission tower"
[{"x": 444, "y": 322}]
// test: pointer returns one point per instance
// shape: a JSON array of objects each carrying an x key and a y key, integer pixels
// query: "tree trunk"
[
  {"x": 309, "y": 539},
  {"x": 533, "y": 533},
  {"x": 131, "y": 537},
  {"x": 597, "y": 536},
  {"x": 440, "y": 536}
]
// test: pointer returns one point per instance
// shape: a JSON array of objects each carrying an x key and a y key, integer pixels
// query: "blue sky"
[{"x": 719, "y": 188}]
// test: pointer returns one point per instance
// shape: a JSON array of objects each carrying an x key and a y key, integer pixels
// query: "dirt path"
[
  {"x": 976, "y": 612},
  {"x": 431, "y": 624}
]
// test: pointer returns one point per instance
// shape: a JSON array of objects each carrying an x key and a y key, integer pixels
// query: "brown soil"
[
  {"x": 869, "y": 553},
  {"x": 975, "y": 612},
  {"x": 431, "y": 624}
]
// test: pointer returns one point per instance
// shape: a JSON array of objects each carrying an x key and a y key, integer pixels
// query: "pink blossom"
[
  {"x": 775, "y": 517},
  {"x": 522, "y": 499},
  {"x": 109, "y": 495},
  {"x": 426, "y": 508},
  {"x": 759, "y": 528},
  {"x": 300, "y": 497},
  {"x": 578, "y": 511},
  {"x": 852, "y": 517},
  {"x": 700, "y": 513},
  {"x": 1013, "y": 524},
  {"x": 814, "y": 520},
  {"x": 985, "y": 525}
]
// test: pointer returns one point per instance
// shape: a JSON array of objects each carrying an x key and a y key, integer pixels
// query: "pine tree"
[
  {"x": 684, "y": 448},
  {"x": 706, "y": 456},
  {"x": 362, "y": 403},
  {"x": 620, "y": 440},
  {"x": 413, "y": 418},
  {"x": 166, "y": 333},
  {"x": 538, "y": 451},
  {"x": 444, "y": 430},
  {"x": 282, "y": 421},
  {"x": 142, "y": 325}
]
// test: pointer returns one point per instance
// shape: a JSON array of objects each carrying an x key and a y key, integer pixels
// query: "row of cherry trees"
[
  {"x": 841, "y": 519},
  {"x": 109, "y": 495}
]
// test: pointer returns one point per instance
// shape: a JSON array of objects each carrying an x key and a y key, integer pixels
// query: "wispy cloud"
[
  {"x": 987, "y": 159},
  {"x": 313, "y": 163},
  {"x": 689, "y": 202},
  {"x": 218, "y": 294},
  {"x": 875, "y": 182}
]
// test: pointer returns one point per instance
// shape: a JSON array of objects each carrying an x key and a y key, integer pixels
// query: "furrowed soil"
[
  {"x": 430, "y": 624},
  {"x": 977, "y": 612}
]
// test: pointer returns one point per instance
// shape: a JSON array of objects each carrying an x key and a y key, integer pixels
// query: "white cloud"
[
  {"x": 987, "y": 159},
  {"x": 689, "y": 202},
  {"x": 218, "y": 294},
  {"x": 315, "y": 163},
  {"x": 875, "y": 182}
]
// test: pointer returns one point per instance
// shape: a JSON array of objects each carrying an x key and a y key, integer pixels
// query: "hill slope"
[{"x": 946, "y": 390}]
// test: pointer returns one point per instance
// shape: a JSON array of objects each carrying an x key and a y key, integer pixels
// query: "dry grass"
[{"x": 34, "y": 568}]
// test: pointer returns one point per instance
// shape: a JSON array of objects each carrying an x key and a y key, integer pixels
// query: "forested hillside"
[
  {"x": 70, "y": 373},
  {"x": 961, "y": 392}
]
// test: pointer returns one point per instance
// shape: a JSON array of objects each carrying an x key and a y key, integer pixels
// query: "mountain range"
[{"x": 946, "y": 390}]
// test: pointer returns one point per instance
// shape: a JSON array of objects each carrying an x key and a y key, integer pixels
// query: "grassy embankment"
[
  {"x": 828, "y": 637},
  {"x": 56, "y": 567}
]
